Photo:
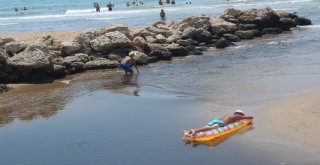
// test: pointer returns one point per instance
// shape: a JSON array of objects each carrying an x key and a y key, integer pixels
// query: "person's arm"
[
  {"x": 136, "y": 68},
  {"x": 246, "y": 117}
]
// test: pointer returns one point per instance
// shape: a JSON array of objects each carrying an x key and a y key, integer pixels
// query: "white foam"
[
  {"x": 273, "y": 3},
  {"x": 4, "y": 24},
  {"x": 311, "y": 26}
]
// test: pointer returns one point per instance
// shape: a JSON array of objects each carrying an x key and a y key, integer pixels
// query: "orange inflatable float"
[{"x": 218, "y": 132}]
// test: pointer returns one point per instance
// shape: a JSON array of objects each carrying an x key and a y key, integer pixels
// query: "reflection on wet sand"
[
  {"x": 215, "y": 142},
  {"x": 29, "y": 101},
  {"x": 125, "y": 84}
]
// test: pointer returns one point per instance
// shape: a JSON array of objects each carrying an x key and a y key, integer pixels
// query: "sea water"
[{"x": 51, "y": 15}]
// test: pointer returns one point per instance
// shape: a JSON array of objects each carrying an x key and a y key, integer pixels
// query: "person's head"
[
  {"x": 161, "y": 10},
  {"x": 239, "y": 112}
]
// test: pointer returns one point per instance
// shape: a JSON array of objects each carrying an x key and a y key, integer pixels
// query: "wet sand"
[{"x": 295, "y": 118}]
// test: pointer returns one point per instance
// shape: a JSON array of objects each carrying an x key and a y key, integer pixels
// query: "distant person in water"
[
  {"x": 168, "y": 1},
  {"x": 109, "y": 5},
  {"x": 127, "y": 62},
  {"x": 24, "y": 8},
  {"x": 162, "y": 15},
  {"x": 221, "y": 122},
  {"x": 173, "y": 2},
  {"x": 16, "y": 9},
  {"x": 160, "y": 2},
  {"x": 97, "y": 8}
]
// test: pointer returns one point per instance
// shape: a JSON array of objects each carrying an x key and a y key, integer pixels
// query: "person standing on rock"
[
  {"x": 162, "y": 15},
  {"x": 127, "y": 62}
]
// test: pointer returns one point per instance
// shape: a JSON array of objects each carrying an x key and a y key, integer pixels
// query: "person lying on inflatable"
[{"x": 221, "y": 122}]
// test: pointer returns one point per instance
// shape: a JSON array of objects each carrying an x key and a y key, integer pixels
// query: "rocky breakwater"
[{"x": 48, "y": 58}]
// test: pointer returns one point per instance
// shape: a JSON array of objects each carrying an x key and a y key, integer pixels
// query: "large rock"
[
  {"x": 173, "y": 39},
  {"x": 287, "y": 23},
  {"x": 80, "y": 57},
  {"x": 220, "y": 26},
  {"x": 84, "y": 40},
  {"x": 271, "y": 31},
  {"x": 157, "y": 31},
  {"x": 52, "y": 43},
  {"x": 59, "y": 70},
  {"x": 268, "y": 17},
  {"x": 113, "y": 28},
  {"x": 245, "y": 34},
  {"x": 140, "y": 42},
  {"x": 177, "y": 50},
  {"x": 69, "y": 48},
  {"x": 160, "y": 38},
  {"x": 233, "y": 12},
  {"x": 101, "y": 63},
  {"x": 5, "y": 40},
  {"x": 232, "y": 37},
  {"x": 247, "y": 26},
  {"x": 193, "y": 21},
  {"x": 3, "y": 57},
  {"x": 158, "y": 24},
  {"x": 110, "y": 41},
  {"x": 303, "y": 21},
  {"x": 141, "y": 32},
  {"x": 14, "y": 47},
  {"x": 222, "y": 43},
  {"x": 161, "y": 54},
  {"x": 151, "y": 39},
  {"x": 30, "y": 60},
  {"x": 248, "y": 18},
  {"x": 38, "y": 46}
]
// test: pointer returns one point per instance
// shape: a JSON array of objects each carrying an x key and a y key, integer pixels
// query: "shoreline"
[{"x": 295, "y": 118}]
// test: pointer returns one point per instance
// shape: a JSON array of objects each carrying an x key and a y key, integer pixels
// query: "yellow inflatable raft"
[{"x": 221, "y": 131}]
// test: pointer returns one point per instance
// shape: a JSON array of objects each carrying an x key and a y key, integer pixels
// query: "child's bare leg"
[{"x": 206, "y": 128}]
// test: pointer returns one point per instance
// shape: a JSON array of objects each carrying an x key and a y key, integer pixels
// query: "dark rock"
[
  {"x": 14, "y": 47},
  {"x": 177, "y": 50},
  {"x": 187, "y": 42},
  {"x": 101, "y": 64},
  {"x": 222, "y": 43},
  {"x": 247, "y": 26},
  {"x": 271, "y": 31},
  {"x": 59, "y": 70},
  {"x": 287, "y": 23},
  {"x": 245, "y": 34},
  {"x": 302, "y": 21},
  {"x": 4, "y": 88},
  {"x": 256, "y": 32},
  {"x": 268, "y": 17},
  {"x": 232, "y": 37},
  {"x": 161, "y": 54}
]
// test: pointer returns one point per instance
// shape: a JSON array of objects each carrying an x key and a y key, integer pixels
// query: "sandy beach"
[
  {"x": 65, "y": 35},
  {"x": 295, "y": 118}
]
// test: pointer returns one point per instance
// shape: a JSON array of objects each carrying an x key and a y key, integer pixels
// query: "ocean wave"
[
  {"x": 273, "y": 3},
  {"x": 310, "y": 26},
  {"x": 4, "y": 24}
]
